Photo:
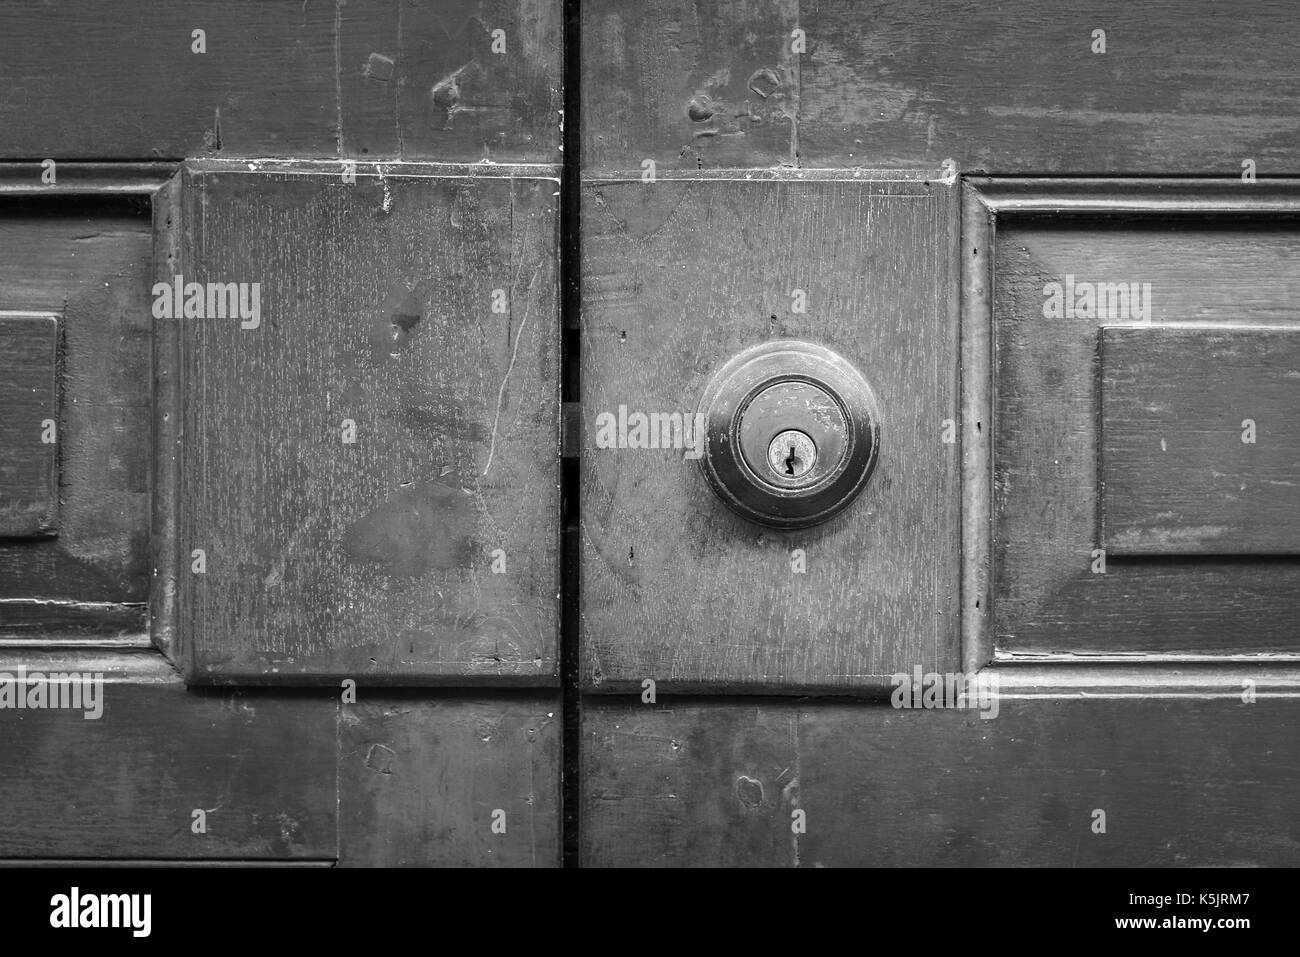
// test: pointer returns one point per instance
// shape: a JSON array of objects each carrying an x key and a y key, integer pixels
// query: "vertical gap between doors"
[{"x": 571, "y": 392}]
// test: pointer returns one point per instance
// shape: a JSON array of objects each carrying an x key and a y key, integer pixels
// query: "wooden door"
[
  {"x": 1061, "y": 247},
  {"x": 281, "y": 433},
  {"x": 355, "y": 507}
]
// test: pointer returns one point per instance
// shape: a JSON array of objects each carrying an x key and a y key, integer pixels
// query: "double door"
[{"x": 371, "y": 493}]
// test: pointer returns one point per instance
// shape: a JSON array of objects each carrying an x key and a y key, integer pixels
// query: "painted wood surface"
[
  {"x": 1181, "y": 782},
  {"x": 449, "y": 781},
  {"x": 673, "y": 586},
  {"x": 1182, "y": 87},
  {"x": 370, "y": 467},
  {"x": 401, "y": 779},
  {"x": 365, "y": 79},
  {"x": 127, "y": 784},
  {"x": 1200, "y": 440},
  {"x": 29, "y": 395},
  {"x": 1209, "y": 255},
  {"x": 678, "y": 276},
  {"x": 89, "y": 259}
]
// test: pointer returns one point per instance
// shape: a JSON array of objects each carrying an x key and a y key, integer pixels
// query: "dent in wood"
[
  {"x": 1183, "y": 782},
  {"x": 452, "y": 782}
]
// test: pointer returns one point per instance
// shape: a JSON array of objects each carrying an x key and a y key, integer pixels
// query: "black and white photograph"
[{"x": 649, "y": 434}]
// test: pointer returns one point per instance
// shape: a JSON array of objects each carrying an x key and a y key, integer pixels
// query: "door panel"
[
  {"x": 29, "y": 390},
  {"x": 1171, "y": 744},
  {"x": 149, "y": 769},
  {"x": 400, "y": 79},
  {"x": 678, "y": 276},
  {"x": 456, "y": 781},
  {"x": 895, "y": 83},
  {"x": 418, "y": 302},
  {"x": 1091, "y": 281},
  {"x": 1219, "y": 491},
  {"x": 1181, "y": 781},
  {"x": 353, "y": 456},
  {"x": 450, "y": 782},
  {"x": 75, "y": 270}
]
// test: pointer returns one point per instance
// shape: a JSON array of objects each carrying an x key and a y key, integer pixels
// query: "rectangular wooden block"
[
  {"x": 1200, "y": 440},
  {"x": 127, "y": 783},
  {"x": 450, "y": 782},
  {"x": 29, "y": 398},
  {"x": 369, "y": 465},
  {"x": 1181, "y": 782},
  {"x": 678, "y": 276}
]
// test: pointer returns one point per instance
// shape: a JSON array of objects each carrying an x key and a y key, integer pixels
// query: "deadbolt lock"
[{"x": 792, "y": 433}]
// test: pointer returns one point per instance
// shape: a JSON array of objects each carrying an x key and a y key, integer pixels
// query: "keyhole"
[{"x": 791, "y": 455}]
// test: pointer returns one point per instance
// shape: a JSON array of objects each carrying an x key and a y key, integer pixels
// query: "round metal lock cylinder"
[
  {"x": 791, "y": 466},
  {"x": 792, "y": 433},
  {"x": 793, "y": 405}
]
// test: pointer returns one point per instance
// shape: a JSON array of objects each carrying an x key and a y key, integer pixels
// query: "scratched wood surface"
[
  {"x": 422, "y": 781},
  {"x": 1182, "y": 782},
  {"x": 29, "y": 395},
  {"x": 1229, "y": 271},
  {"x": 412, "y": 79},
  {"x": 90, "y": 260},
  {"x": 1200, "y": 441},
  {"x": 677, "y": 277},
  {"x": 1182, "y": 86},
  {"x": 126, "y": 784},
  {"x": 425, "y": 550}
]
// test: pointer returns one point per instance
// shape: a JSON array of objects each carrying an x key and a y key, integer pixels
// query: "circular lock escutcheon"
[{"x": 792, "y": 433}]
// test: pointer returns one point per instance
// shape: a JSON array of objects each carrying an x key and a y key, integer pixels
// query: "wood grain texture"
[
  {"x": 90, "y": 260},
  {"x": 125, "y": 785},
  {"x": 29, "y": 396},
  {"x": 1182, "y": 87},
  {"x": 977, "y": 225},
  {"x": 1182, "y": 782},
  {"x": 1226, "y": 263},
  {"x": 164, "y": 554},
  {"x": 677, "y": 277},
  {"x": 411, "y": 79},
  {"x": 372, "y": 559},
  {"x": 420, "y": 781},
  {"x": 1177, "y": 474}
]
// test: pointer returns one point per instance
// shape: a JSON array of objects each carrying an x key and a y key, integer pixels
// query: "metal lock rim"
[
  {"x": 728, "y": 395},
  {"x": 747, "y": 403}
]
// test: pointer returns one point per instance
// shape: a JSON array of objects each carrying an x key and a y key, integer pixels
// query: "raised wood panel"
[
  {"x": 29, "y": 394},
  {"x": 1183, "y": 87},
  {"x": 1200, "y": 440},
  {"x": 449, "y": 782},
  {"x": 425, "y": 549},
  {"x": 126, "y": 784},
  {"x": 1182, "y": 782},
  {"x": 1214, "y": 257},
  {"x": 680, "y": 275},
  {"x": 88, "y": 259},
  {"x": 407, "y": 79}
]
